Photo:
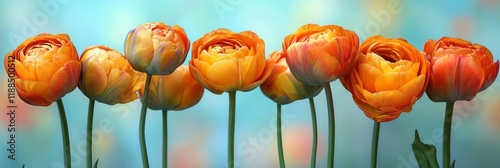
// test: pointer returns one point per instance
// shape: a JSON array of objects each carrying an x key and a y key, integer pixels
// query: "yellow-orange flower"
[
  {"x": 459, "y": 69},
  {"x": 107, "y": 76},
  {"x": 155, "y": 48},
  {"x": 389, "y": 77},
  {"x": 282, "y": 87},
  {"x": 320, "y": 54},
  {"x": 225, "y": 61},
  {"x": 176, "y": 91},
  {"x": 46, "y": 68}
]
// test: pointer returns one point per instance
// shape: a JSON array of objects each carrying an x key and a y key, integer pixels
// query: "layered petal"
[
  {"x": 46, "y": 68},
  {"x": 320, "y": 54},
  {"x": 225, "y": 61},
  {"x": 176, "y": 91},
  {"x": 388, "y": 78},
  {"x": 107, "y": 76},
  {"x": 155, "y": 48},
  {"x": 282, "y": 87},
  {"x": 459, "y": 69}
]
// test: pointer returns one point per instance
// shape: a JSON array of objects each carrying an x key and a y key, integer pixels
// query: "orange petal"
[{"x": 94, "y": 79}]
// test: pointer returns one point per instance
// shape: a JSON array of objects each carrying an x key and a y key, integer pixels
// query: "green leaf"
[
  {"x": 453, "y": 164},
  {"x": 425, "y": 154},
  {"x": 95, "y": 164},
  {"x": 23, "y": 165}
]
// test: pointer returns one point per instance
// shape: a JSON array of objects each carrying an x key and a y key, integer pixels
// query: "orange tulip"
[
  {"x": 155, "y": 48},
  {"x": 282, "y": 87},
  {"x": 46, "y": 68},
  {"x": 225, "y": 61},
  {"x": 389, "y": 77},
  {"x": 320, "y": 54},
  {"x": 176, "y": 91},
  {"x": 107, "y": 76},
  {"x": 459, "y": 69}
]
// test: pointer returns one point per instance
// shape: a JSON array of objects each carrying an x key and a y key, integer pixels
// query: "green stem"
[
  {"x": 376, "y": 130},
  {"x": 165, "y": 139},
  {"x": 65, "y": 134},
  {"x": 231, "y": 123},
  {"x": 280, "y": 141},
  {"x": 331, "y": 125},
  {"x": 90, "y": 120},
  {"x": 315, "y": 133},
  {"x": 142, "y": 124},
  {"x": 447, "y": 134}
]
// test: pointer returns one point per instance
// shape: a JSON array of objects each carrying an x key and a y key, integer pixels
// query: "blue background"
[{"x": 198, "y": 136}]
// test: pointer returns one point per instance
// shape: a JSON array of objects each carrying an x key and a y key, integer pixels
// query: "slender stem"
[
  {"x": 142, "y": 124},
  {"x": 230, "y": 138},
  {"x": 280, "y": 140},
  {"x": 447, "y": 134},
  {"x": 165, "y": 139},
  {"x": 331, "y": 125},
  {"x": 90, "y": 120},
  {"x": 376, "y": 130},
  {"x": 65, "y": 134},
  {"x": 315, "y": 133}
]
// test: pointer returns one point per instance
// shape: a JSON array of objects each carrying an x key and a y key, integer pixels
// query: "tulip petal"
[
  {"x": 198, "y": 75},
  {"x": 491, "y": 72},
  {"x": 94, "y": 79},
  {"x": 117, "y": 84},
  {"x": 224, "y": 73},
  {"x": 32, "y": 92},
  {"x": 141, "y": 49},
  {"x": 454, "y": 78}
]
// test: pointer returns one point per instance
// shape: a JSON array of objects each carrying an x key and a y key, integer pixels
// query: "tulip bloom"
[
  {"x": 107, "y": 76},
  {"x": 176, "y": 91},
  {"x": 224, "y": 61},
  {"x": 320, "y": 54},
  {"x": 46, "y": 68},
  {"x": 155, "y": 48},
  {"x": 459, "y": 69},
  {"x": 282, "y": 87},
  {"x": 389, "y": 77}
]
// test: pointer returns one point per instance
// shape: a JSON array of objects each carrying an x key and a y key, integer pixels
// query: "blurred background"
[{"x": 198, "y": 136}]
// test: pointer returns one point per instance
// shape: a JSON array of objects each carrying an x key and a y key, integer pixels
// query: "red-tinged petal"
[
  {"x": 490, "y": 72},
  {"x": 312, "y": 65},
  {"x": 454, "y": 78},
  {"x": 430, "y": 46}
]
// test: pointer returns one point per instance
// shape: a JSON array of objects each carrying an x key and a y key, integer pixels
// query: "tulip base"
[{"x": 65, "y": 134}]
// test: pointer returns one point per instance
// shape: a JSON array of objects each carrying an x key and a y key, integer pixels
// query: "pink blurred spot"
[
  {"x": 463, "y": 26},
  {"x": 23, "y": 116},
  {"x": 493, "y": 114},
  {"x": 188, "y": 156},
  {"x": 488, "y": 3},
  {"x": 297, "y": 145}
]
